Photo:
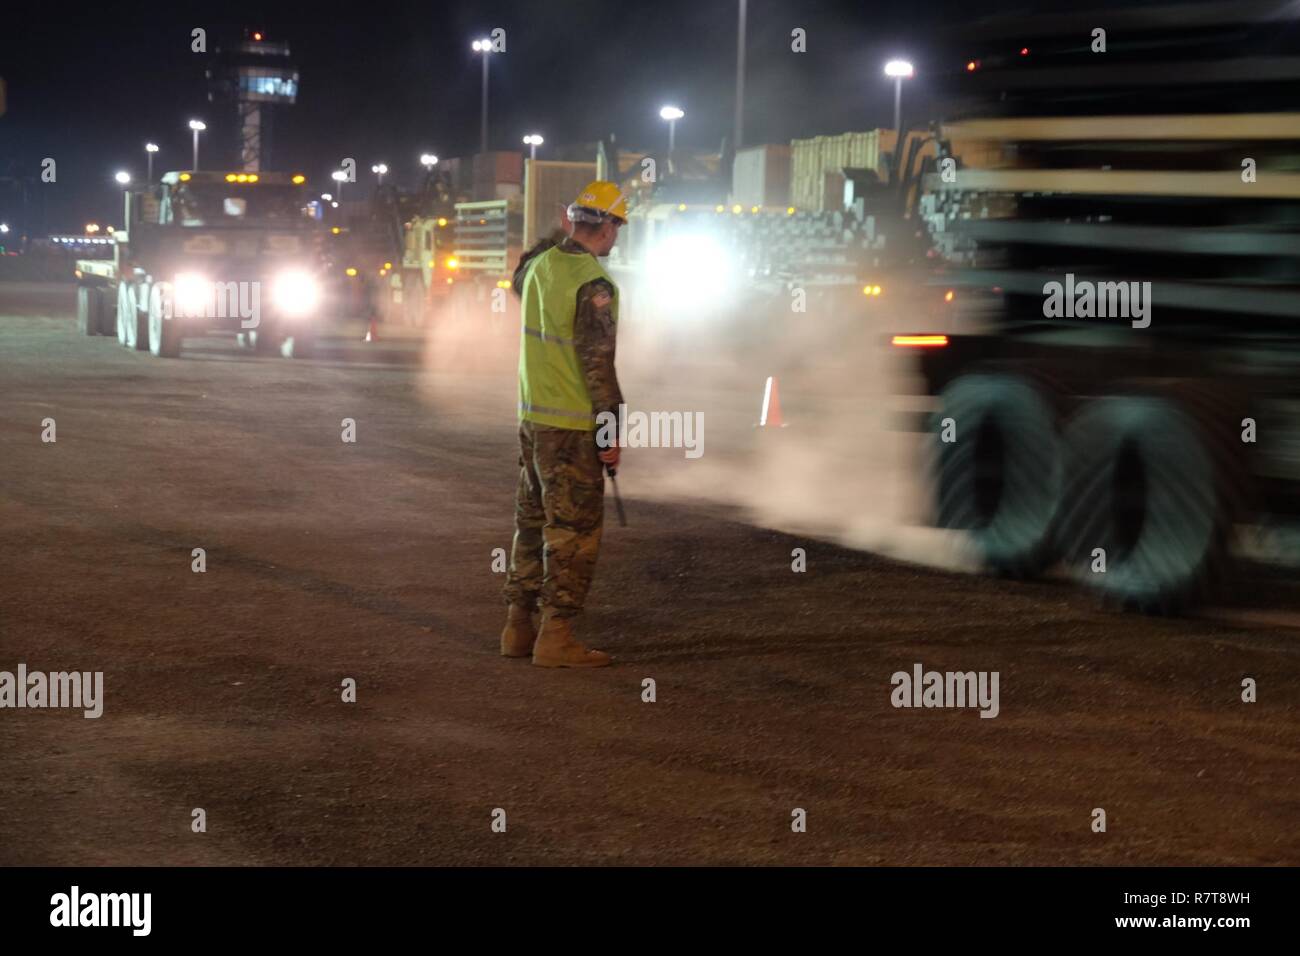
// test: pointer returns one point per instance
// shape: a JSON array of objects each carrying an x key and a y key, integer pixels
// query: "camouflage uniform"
[{"x": 560, "y": 501}]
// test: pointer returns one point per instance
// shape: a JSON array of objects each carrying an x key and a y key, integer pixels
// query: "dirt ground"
[{"x": 373, "y": 561}]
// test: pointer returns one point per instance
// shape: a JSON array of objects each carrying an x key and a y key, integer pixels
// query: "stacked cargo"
[
  {"x": 550, "y": 187},
  {"x": 817, "y": 164},
  {"x": 770, "y": 249},
  {"x": 761, "y": 176},
  {"x": 484, "y": 176},
  {"x": 487, "y": 236},
  {"x": 497, "y": 175}
]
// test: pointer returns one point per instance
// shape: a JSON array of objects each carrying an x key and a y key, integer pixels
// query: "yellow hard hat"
[{"x": 601, "y": 198}]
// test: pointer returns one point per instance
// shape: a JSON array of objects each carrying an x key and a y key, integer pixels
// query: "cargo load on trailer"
[{"x": 1120, "y": 387}]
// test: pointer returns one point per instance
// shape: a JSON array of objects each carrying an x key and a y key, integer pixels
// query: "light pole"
[
  {"x": 672, "y": 114},
  {"x": 123, "y": 179},
  {"x": 340, "y": 177},
  {"x": 484, "y": 47},
  {"x": 532, "y": 141},
  {"x": 150, "y": 149},
  {"x": 198, "y": 126},
  {"x": 900, "y": 70},
  {"x": 379, "y": 169},
  {"x": 738, "y": 132}
]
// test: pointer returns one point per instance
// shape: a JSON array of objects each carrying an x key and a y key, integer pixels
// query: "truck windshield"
[{"x": 214, "y": 204}]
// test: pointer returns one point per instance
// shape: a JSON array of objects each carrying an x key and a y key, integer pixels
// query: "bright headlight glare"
[
  {"x": 295, "y": 292},
  {"x": 192, "y": 295},
  {"x": 690, "y": 272}
]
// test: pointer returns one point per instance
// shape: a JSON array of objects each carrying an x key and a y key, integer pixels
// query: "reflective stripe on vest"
[
  {"x": 545, "y": 410},
  {"x": 538, "y": 333},
  {"x": 552, "y": 387}
]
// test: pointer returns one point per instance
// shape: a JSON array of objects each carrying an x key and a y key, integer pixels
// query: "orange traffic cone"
[
  {"x": 372, "y": 331},
  {"x": 771, "y": 414}
]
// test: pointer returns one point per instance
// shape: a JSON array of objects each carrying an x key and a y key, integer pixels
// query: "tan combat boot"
[
  {"x": 556, "y": 647},
  {"x": 518, "y": 636}
]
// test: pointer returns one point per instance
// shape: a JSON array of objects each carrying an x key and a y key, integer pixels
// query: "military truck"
[
  {"x": 204, "y": 252},
  {"x": 1120, "y": 390}
]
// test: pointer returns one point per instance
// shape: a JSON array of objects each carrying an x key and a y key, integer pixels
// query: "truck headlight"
[
  {"x": 690, "y": 273},
  {"x": 295, "y": 292},
  {"x": 192, "y": 295}
]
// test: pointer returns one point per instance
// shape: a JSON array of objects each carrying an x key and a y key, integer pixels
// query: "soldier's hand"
[{"x": 609, "y": 456}]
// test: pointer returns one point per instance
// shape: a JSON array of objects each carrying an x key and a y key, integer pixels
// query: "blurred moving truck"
[{"x": 1119, "y": 389}]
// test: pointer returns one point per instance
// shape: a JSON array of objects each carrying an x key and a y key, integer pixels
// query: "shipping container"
[
  {"x": 549, "y": 188},
  {"x": 761, "y": 176},
  {"x": 505, "y": 166},
  {"x": 812, "y": 159},
  {"x": 492, "y": 171}
]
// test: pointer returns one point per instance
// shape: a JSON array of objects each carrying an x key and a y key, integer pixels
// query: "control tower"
[{"x": 257, "y": 76}]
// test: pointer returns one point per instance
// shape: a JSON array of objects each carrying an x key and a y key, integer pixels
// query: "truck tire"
[
  {"x": 105, "y": 311},
  {"x": 1149, "y": 486},
  {"x": 265, "y": 339},
  {"x": 999, "y": 480},
  {"x": 270, "y": 340},
  {"x": 125, "y": 311},
  {"x": 300, "y": 345},
  {"x": 132, "y": 324},
  {"x": 87, "y": 310},
  {"x": 164, "y": 333}
]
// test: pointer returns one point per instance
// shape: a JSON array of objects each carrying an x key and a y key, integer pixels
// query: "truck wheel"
[
  {"x": 1145, "y": 486},
  {"x": 300, "y": 345},
  {"x": 105, "y": 312},
  {"x": 87, "y": 310},
  {"x": 132, "y": 324},
  {"x": 125, "y": 314},
  {"x": 266, "y": 340},
  {"x": 164, "y": 333},
  {"x": 999, "y": 476}
]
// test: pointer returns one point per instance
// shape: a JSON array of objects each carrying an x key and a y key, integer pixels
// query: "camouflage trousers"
[{"x": 559, "y": 514}]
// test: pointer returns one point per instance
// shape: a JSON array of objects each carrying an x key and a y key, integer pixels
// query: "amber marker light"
[{"x": 920, "y": 341}]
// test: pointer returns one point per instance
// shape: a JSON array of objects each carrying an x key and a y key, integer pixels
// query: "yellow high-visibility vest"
[{"x": 552, "y": 389}]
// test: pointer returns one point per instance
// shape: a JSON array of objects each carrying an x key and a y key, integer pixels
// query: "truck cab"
[{"x": 215, "y": 251}]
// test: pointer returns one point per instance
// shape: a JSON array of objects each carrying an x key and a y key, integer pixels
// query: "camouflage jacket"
[{"x": 594, "y": 329}]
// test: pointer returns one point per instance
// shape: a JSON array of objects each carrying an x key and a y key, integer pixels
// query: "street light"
[
  {"x": 4, "y": 228},
  {"x": 150, "y": 149},
  {"x": 428, "y": 160},
  {"x": 900, "y": 70},
  {"x": 485, "y": 47},
  {"x": 326, "y": 197},
  {"x": 340, "y": 177},
  {"x": 122, "y": 176},
  {"x": 198, "y": 126},
  {"x": 672, "y": 114},
  {"x": 379, "y": 169},
  {"x": 532, "y": 141}
]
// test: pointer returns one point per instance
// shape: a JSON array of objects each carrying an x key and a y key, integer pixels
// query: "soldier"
[{"x": 566, "y": 379}]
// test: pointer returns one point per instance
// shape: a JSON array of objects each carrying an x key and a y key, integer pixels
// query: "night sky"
[{"x": 384, "y": 81}]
